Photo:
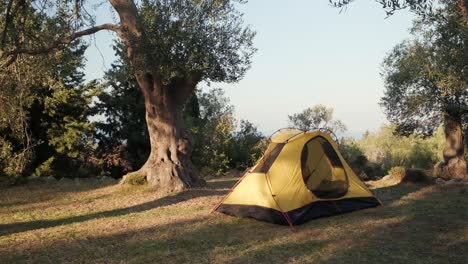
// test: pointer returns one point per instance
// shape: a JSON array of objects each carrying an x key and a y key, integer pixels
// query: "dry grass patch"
[{"x": 97, "y": 223}]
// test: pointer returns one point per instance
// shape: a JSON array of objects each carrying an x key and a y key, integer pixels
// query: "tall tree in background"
[
  {"x": 172, "y": 45},
  {"x": 213, "y": 134},
  {"x": 426, "y": 83},
  {"x": 123, "y": 140},
  {"x": 316, "y": 117},
  {"x": 44, "y": 111}
]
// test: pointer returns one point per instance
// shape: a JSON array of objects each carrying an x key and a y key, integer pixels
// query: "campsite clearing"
[{"x": 91, "y": 222}]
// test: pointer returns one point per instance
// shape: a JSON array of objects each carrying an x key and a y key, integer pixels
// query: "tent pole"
[
  {"x": 285, "y": 215},
  {"x": 230, "y": 191}
]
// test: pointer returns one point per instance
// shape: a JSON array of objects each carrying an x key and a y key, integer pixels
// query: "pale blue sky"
[{"x": 308, "y": 53}]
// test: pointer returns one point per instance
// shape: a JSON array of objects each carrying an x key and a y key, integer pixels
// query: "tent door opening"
[{"x": 322, "y": 170}]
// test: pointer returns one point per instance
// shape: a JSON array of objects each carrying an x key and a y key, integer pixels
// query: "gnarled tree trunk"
[
  {"x": 168, "y": 167},
  {"x": 454, "y": 166}
]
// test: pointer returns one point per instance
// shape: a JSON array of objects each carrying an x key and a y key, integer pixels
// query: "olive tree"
[
  {"x": 317, "y": 117},
  {"x": 172, "y": 45},
  {"x": 426, "y": 83}
]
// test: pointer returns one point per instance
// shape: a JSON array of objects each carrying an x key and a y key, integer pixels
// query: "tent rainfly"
[{"x": 301, "y": 176}]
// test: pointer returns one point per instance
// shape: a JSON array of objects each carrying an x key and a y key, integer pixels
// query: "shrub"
[
  {"x": 385, "y": 148},
  {"x": 397, "y": 172},
  {"x": 373, "y": 170},
  {"x": 408, "y": 174},
  {"x": 352, "y": 153},
  {"x": 219, "y": 163},
  {"x": 415, "y": 175},
  {"x": 135, "y": 179},
  {"x": 45, "y": 169},
  {"x": 13, "y": 163}
]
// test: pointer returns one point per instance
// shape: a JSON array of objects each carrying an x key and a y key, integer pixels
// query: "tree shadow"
[
  {"x": 7, "y": 229},
  {"x": 44, "y": 192},
  {"x": 389, "y": 194},
  {"x": 185, "y": 241},
  {"x": 401, "y": 233},
  {"x": 416, "y": 230}
]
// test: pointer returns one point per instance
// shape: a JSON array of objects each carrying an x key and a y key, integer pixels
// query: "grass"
[{"x": 96, "y": 223}]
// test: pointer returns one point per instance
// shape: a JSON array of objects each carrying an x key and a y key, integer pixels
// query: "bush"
[
  {"x": 373, "y": 170},
  {"x": 45, "y": 169},
  {"x": 415, "y": 175},
  {"x": 385, "y": 148},
  {"x": 397, "y": 173},
  {"x": 352, "y": 153},
  {"x": 135, "y": 179},
  {"x": 13, "y": 163},
  {"x": 408, "y": 174},
  {"x": 218, "y": 163}
]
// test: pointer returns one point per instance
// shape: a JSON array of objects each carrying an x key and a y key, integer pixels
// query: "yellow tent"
[{"x": 301, "y": 176}]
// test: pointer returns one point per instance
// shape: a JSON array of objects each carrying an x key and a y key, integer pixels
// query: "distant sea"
[{"x": 356, "y": 134}]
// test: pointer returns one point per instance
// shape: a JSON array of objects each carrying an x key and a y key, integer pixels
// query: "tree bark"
[
  {"x": 454, "y": 165},
  {"x": 168, "y": 168},
  {"x": 463, "y": 4}
]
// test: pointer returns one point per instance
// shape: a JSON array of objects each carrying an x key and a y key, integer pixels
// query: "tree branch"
[{"x": 10, "y": 56}]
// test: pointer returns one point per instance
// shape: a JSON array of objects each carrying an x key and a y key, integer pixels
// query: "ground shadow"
[
  {"x": 418, "y": 229},
  {"x": 415, "y": 238},
  {"x": 389, "y": 194},
  {"x": 46, "y": 191},
  {"x": 6, "y": 229}
]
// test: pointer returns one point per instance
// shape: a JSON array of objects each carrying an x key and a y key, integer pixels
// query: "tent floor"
[{"x": 301, "y": 215}]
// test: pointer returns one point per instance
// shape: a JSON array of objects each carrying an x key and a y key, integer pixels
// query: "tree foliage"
[
  {"x": 247, "y": 145},
  {"x": 220, "y": 142},
  {"x": 171, "y": 46},
  {"x": 376, "y": 153},
  {"x": 316, "y": 117},
  {"x": 427, "y": 76},
  {"x": 44, "y": 111},
  {"x": 186, "y": 37},
  {"x": 391, "y": 6},
  {"x": 121, "y": 131},
  {"x": 36, "y": 27}
]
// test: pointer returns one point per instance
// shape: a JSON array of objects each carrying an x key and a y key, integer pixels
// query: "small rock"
[
  {"x": 439, "y": 181},
  {"x": 49, "y": 179}
]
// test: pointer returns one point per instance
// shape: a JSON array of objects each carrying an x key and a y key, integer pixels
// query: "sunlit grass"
[{"x": 97, "y": 223}]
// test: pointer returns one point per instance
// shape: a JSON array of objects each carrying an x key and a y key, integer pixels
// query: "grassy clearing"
[{"x": 98, "y": 223}]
